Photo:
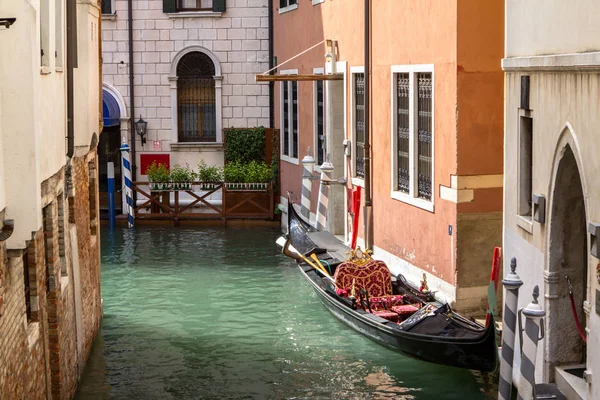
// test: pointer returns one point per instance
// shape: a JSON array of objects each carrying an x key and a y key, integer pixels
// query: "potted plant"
[
  {"x": 158, "y": 176},
  {"x": 209, "y": 175},
  {"x": 182, "y": 177}
]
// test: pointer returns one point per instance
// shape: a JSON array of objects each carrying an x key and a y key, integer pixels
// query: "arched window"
[{"x": 196, "y": 98}]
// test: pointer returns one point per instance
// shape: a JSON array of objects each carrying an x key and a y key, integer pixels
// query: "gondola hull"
[
  {"x": 441, "y": 337},
  {"x": 471, "y": 354}
]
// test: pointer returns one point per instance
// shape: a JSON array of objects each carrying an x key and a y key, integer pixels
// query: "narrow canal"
[{"x": 215, "y": 313}]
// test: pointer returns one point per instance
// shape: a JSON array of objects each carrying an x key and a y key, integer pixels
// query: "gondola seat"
[
  {"x": 405, "y": 311},
  {"x": 374, "y": 277}
]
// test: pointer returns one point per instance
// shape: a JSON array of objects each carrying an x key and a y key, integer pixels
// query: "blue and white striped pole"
[
  {"x": 308, "y": 166},
  {"x": 529, "y": 343},
  {"x": 511, "y": 283},
  {"x": 326, "y": 170},
  {"x": 128, "y": 184},
  {"x": 110, "y": 172}
]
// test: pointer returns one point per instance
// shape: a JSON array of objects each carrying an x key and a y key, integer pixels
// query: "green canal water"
[{"x": 219, "y": 313}]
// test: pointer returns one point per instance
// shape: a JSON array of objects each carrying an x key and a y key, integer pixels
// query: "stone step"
[
  {"x": 569, "y": 379},
  {"x": 548, "y": 391}
]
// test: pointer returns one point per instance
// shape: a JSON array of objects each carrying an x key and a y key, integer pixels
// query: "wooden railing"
[{"x": 238, "y": 201}]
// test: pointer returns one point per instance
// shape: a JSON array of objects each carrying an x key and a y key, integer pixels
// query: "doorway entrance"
[{"x": 567, "y": 257}]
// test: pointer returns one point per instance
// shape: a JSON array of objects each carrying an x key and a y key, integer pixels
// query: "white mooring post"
[
  {"x": 128, "y": 184},
  {"x": 534, "y": 332},
  {"x": 308, "y": 167},
  {"x": 511, "y": 283},
  {"x": 326, "y": 172}
]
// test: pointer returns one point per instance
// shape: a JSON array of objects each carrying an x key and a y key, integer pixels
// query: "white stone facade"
[{"x": 237, "y": 40}]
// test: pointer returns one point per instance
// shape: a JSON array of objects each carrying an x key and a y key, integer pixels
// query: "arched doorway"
[
  {"x": 567, "y": 250},
  {"x": 109, "y": 148}
]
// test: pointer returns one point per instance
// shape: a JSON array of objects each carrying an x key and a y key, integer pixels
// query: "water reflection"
[{"x": 220, "y": 314}]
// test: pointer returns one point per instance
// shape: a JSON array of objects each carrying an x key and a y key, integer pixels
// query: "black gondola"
[{"x": 433, "y": 333}]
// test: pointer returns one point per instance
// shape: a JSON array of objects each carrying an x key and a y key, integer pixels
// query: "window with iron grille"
[
  {"x": 194, "y": 5},
  {"x": 289, "y": 119},
  {"x": 412, "y": 134},
  {"x": 320, "y": 147},
  {"x": 358, "y": 87},
  {"x": 196, "y": 99}
]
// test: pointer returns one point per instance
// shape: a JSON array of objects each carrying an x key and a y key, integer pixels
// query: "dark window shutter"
[
  {"x": 219, "y": 5},
  {"x": 169, "y": 6}
]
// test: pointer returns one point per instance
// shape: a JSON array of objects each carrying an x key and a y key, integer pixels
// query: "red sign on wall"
[{"x": 147, "y": 159}]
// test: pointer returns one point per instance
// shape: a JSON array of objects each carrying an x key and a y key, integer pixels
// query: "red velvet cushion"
[
  {"x": 407, "y": 309},
  {"x": 391, "y": 316},
  {"x": 385, "y": 302},
  {"x": 374, "y": 277}
]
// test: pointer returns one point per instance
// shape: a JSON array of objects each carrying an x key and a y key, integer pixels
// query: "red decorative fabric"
[
  {"x": 374, "y": 277},
  {"x": 386, "y": 302},
  {"x": 407, "y": 309},
  {"x": 389, "y": 315}
]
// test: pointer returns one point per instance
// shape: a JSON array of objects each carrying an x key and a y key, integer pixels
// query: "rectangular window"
[
  {"x": 194, "y": 5},
  {"x": 197, "y": 111},
  {"x": 45, "y": 33},
  {"x": 320, "y": 149},
  {"x": 287, "y": 3},
  {"x": 58, "y": 37},
  {"x": 107, "y": 7},
  {"x": 412, "y": 135},
  {"x": 525, "y": 165},
  {"x": 358, "y": 91},
  {"x": 27, "y": 287},
  {"x": 289, "y": 123}
]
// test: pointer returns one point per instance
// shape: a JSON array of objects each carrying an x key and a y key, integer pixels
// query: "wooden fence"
[{"x": 253, "y": 201}]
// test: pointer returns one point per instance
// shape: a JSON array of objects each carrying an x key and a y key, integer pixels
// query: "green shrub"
[
  {"x": 181, "y": 174},
  {"x": 209, "y": 174},
  {"x": 244, "y": 144},
  {"x": 157, "y": 172},
  {"x": 252, "y": 172}
]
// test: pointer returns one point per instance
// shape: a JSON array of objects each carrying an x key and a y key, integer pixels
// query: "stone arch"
[
  {"x": 191, "y": 49},
  {"x": 218, "y": 92},
  {"x": 567, "y": 254}
]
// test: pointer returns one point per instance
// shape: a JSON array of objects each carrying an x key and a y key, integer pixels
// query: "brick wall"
[
  {"x": 238, "y": 38},
  {"x": 40, "y": 357}
]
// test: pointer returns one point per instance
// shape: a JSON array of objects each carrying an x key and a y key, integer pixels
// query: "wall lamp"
[
  {"x": 140, "y": 129},
  {"x": 7, "y": 22}
]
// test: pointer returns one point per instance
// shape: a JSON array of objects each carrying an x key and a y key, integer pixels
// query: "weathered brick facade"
[{"x": 43, "y": 351}]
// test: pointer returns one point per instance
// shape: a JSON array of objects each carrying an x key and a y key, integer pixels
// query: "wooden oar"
[{"x": 290, "y": 251}]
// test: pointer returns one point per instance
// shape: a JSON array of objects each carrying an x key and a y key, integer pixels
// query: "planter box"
[{"x": 249, "y": 200}]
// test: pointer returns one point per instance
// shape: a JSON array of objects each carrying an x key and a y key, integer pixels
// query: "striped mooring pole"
[
  {"x": 534, "y": 332},
  {"x": 511, "y": 283},
  {"x": 326, "y": 170},
  {"x": 128, "y": 184},
  {"x": 308, "y": 166},
  {"x": 110, "y": 173}
]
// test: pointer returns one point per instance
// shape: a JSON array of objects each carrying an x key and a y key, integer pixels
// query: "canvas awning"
[{"x": 110, "y": 110}]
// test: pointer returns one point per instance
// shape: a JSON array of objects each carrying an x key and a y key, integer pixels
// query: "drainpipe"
[
  {"x": 131, "y": 94},
  {"x": 271, "y": 65},
  {"x": 368, "y": 209},
  {"x": 71, "y": 64}
]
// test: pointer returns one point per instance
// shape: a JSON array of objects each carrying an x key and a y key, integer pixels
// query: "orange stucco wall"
[{"x": 403, "y": 32}]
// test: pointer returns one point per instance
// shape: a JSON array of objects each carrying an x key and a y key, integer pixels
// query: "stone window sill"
[
  {"x": 525, "y": 223},
  {"x": 191, "y": 146},
  {"x": 58, "y": 69},
  {"x": 195, "y": 14},
  {"x": 109, "y": 17},
  {"x": 290, "y": 160},
  {"x": 45, "y": 70},
  {"x": 413, "y": 201},
  {"x": 358, "y": 182}
]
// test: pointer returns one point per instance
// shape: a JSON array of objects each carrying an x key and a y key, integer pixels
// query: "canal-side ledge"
[{"x": 122, "y": 221}]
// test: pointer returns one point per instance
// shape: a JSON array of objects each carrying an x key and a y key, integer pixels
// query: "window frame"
[
  {"x": 318, "y": 71},
  {"x": 289, "y": 7},
  {"x": 289, "y": 158},
  {"x": 200, "y": 9},
  {"x": 356, "y": 180},
  {"x": 112, "y": 7},
  {"x": 176, "y": 145},
  {"x": 411, "y": 197}
]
